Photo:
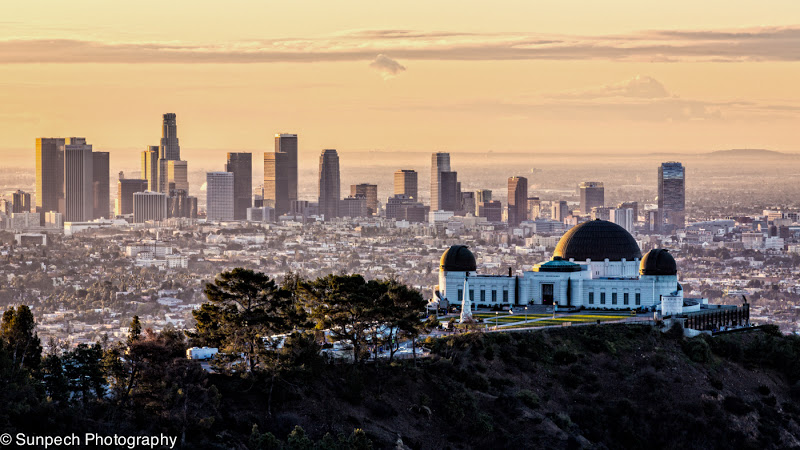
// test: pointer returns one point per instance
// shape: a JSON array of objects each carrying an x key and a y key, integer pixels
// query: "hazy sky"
[{"x": 393, "y": 75}]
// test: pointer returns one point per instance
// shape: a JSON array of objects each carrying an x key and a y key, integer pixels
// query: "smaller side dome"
[
  {"x": 458, "y": 258},
  {"x": 658, "y": 262}
]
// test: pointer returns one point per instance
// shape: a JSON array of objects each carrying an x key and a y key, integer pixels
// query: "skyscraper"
[
  {"x": 276, "y": 182},
  {"x": 623, "y": 217},
  {"x": 592, "y": 194},
  {"x": 370, "y": 192},
  {"x": 20, "y": 202},
  {"x": 101, "y": 185},
  {"x": 672, "y": 195},
  {"x": 126, "y": 187},
  {"x": 219, "y": 196},
  {"x": 178, "y": 175},
  {"x": 559, "y": 210},
  {"x": 517, "y": 200},
  {"x": 150, "y": 167},
  {"x": 449, "y": 192},
  {"x": 170, "y": 148},
  {"x": 49, "y": 174},
  {"x": 78, "y": 181},
  {"x": 481, "y": 196},
  {"x": 405, "y": 183},
  {"x": 149, "y": 206},
  {"x": 329, "y": 184},
  {"x": 287, "y": 143},
  {"x": 440, "y": 162},
  {"x": 491, "y": 210},
  {"x": 241, "y": 166},
  {"x": 534, "y": 208}
]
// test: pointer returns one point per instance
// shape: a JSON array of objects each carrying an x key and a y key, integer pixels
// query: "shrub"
[
  {"x": 528, "y": 398},
  {"x": 697, "y": 349}
]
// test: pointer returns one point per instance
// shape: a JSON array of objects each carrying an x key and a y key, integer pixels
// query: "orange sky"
[{"x": 444, "y": 75}]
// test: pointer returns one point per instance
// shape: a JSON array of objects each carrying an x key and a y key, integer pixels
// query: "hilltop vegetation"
[{"x": 606, "y": 386}]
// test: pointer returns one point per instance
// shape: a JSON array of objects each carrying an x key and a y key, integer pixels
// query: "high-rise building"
[
  {"x": 517, "y": 200},
  {"x": 170, "y": 148},
  {"x": 634, "y": 206},
  {"x": 672, "y": 196},
  {"x": 50, "y": 174},
  {"x": 178, "y": 175},
  {"x": 181, "y": 204},
  {"x": 329, "y": 184},
  {"x": 405, "y": 183},
  {"x": 149, "y": 206},
  {"x": 353, "y": 206},
  {"x": 600, "y": 212},
  {"x": 559, "y": 210},
  {"x": 78, "y": 181},
  {"x": 449, "y": 192},
  {"x": 370, "y": 192},
  {"x": 150, "y": 167},
  {"x": 491, "y": 210},
  {"x": 592, "y": 194},
  {"x": 126, "y": 187},
  {"x": 481, "y": 196},
  {"x": 20, "y": 202},
  {"x": 440, "y": 162},
  {"x": 468, "y": 203},
  {"x": 404, "y": 207},
  {"x": 623, "y": 217},
  {"x": 276, "y": 182},
  {"x": 287, "y": 143},
  {"x": 241, "y": 166},
  {"x": 101, "y": 185},
  {"x": 534, "y": 208},
  {"x": 219, "y": 196}
]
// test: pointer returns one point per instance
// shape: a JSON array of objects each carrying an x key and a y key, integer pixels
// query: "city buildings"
[
  {"x": 440, "y": 162},
  {"x": 482, "y": 195},
  {"x": 671, "y": 196},
  {"x": 219, "y": 196},
  {"x": 449, "y": 193},
  {"x": 126, "y": 187},
  {"x": 287, "y": 143},
  {"x": 517, "y": 200},
  {"x": 534, "y": 208},
  {"x": 241, "y": 166},
  {"x": 150, "y": 167},
  {"x": 491, "y": 210},
  {"x": 623, "y": 217},
  {"x": 405, "y": 183},
  {"x": 78, "y": 181},
  {"x": 177, "y": 175},
  {"x": 368, "y": 191},
  {"x": 559, "y": 210},
  {"x": 50, "y": 174},
  {"x": 353, "y": 206},
  {"x": 329, "y": 184},
  {"x": 101, "y": 186},
  {"x": 276, "y": 181},
  {"x": 592, "y": 194}
]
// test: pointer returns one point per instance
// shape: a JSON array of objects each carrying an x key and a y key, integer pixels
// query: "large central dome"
[
  {"x": 458, "y": 258},
  {"x": 597, "y": 240}
]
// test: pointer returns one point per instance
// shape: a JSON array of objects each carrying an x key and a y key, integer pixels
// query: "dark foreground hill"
[{"x": 609, "y": 386}]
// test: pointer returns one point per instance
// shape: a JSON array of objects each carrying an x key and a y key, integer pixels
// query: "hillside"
[{"x": 609, "y": 386}]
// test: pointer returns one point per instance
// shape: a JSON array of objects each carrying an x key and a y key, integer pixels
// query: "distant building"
[
  {"x": 534, "y": 208},
  {"x": 263, "y": 214},
  {"x": 403, "y": 207},
  {"x": 78, "y": 181},
  {"x": 20, "y": 202},
  {"x": 672, "y": 196},
  {"x": 149, "y": 206},
  {"x": 368, "y": 191},
  {"x": 219, "y": 196},
  {"x": 276, "y": 181},
  {"x": 632, "y": 205},
  {"x": 492, "y": 211},
  {"x": 468, "y": 203},
  {"x": 126, "y": 187},
  {"x": 559, "y": 210},
  {"x": 181, "y": 204},
  {"x": 592, "y": 194},
  {"x": 150, "y": 167},
  {"x": 178, "y": 175},
  {"x": 287, "y": 143},
  {"x": 329, "y": 184},
  {"x": 241, "y": 166},
  {"x": 517, "y": 200},
  {"x": 623, "y": 217},
  {"x": 50, "y": 174},
  {"x": 101, "y": 185},
  {"x": 406, "y": 183},
  {"x": 353, "y": 206},
  {"x": 440, "y": 162},
  {"x": 600, "y": 212},
  {"x": 482, "y": 195},
  {"x": 449, "y": 192}
]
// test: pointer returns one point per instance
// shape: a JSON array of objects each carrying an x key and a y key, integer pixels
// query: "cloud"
[
  {"x": 738, "y": 45},
  {"x": 388, "y": 67},
  {"x": 636, "y": 87}
]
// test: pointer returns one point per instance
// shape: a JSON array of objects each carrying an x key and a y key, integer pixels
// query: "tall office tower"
[
  {"x": 481, "y": 196},
  {"x": 634, "y": 206},
  {"x": 559, "y": 210},
  {"x": 241, "y": 166},
  {"x": 150, "y": 167},
  {"x": 534, "y": 208},
  {"x": 440, "y": 162},
  {"x": 276, "y": 182},
  {"x": 20, "y": 202},
  {"x": 258, "y": 196},
  {"x": 517, "y": 200},
  {"x": 592, "y": 194},
  {"x": 149, "y": 206},
  {"x": 101, "y": 186},
  {"x": 126, "y": 187},
  {"x": 600, "y": 212},
  {"x": 468, "y": 205},
  {"x": 181, "y": 204},
  {"x": 672, "y": 195},
  {"x": 370, "y": 192},
  {"x": 329, "y": 184},
  {"x": 178, "y": 175},
  {"x": 170, "y": 148},
  {"x": 287, "y": 143},
  {"x": 353, "y": 206},
  {"x": 405, "y": 183},
  {"x": 219, "y": 196},
  {"x": 78, "y": 181},
  {"x": 449, "y": 198},
  {"x": 491, "y": 210},
  {"x": 49, "y": 174},
  {"x": 623, "y": 217}
]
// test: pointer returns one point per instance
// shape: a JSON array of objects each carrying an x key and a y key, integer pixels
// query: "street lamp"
[
  {"x": 526, "y": 314},
  {"x": 496, "y": 313}
]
